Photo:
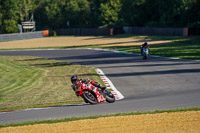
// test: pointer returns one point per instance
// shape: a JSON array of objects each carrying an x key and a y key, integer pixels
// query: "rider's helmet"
[
  {"x": 145, "y": 43},
  {"x": 74, "y": 78}
]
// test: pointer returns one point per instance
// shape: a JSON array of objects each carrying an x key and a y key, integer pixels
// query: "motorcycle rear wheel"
[{"x": 89, "y": 97}]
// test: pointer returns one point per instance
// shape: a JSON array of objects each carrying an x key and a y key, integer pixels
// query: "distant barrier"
[
  {"x": 103, "y": 32},
  {"x": 194, "y": 31},
  {"x": 84, "y": 31},
  {"x": 156, "y": 31},
  {"x": 22, "y": 36},
  {"x": 127, "y": 30}
]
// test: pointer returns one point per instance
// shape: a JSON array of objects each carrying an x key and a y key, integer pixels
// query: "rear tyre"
[
  {"x": 110, "y": 98},
  {"x": 144, "y": 56},
  {"x": 89, "y": 97}
]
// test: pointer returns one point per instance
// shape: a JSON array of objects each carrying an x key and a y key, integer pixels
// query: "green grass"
[
  {"x": 180, "y": 47},
  {"x": 96, "y": 117},
  {"x": 27, "y": 82}
]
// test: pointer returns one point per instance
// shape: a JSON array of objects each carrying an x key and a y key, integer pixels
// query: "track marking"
[{"x": 109, "y": 85}]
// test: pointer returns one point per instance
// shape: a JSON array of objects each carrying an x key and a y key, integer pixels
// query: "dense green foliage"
[{"x": 56, "y": 14}]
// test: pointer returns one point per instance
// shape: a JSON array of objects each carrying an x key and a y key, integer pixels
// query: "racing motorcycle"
[
  {"x": 145, "y": 52},
  {"x": 92, "y": 94}
]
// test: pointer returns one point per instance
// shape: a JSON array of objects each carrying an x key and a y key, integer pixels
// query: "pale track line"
[{"x": 109, "y": 84}]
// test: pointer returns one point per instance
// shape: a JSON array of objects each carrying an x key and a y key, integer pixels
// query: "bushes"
[
  {"x": 59, "y": 14},
  {"x": 10, "y": 26}
]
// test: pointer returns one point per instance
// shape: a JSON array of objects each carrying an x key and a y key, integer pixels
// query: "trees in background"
[
  {"x": 9, "y": 15},
  {"x": 134, "y": 12},
  {"x": 76, "y": 13},
  {"x": 191, "y": 13},
  {"x": 25, "y": 9},
  {"x": 109, "y": 12},
  {"x": 56, "y": 14},
  {"x": 167, "y": 13},
  {"x": 1, "y": 15}
]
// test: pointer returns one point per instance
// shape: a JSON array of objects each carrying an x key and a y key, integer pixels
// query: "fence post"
[
  {"x": 111, "y": 31},
  {"x": 185, "y": 32},
  {"x": 45, "y": 33}
]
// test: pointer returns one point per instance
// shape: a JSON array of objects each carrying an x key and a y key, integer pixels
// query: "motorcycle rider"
[
  {"x": 77, "y": 82},
  {"x": 145, "y": 44}
]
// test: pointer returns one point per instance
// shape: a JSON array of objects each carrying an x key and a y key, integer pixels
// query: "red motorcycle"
[{"x": 92, "y": 94}]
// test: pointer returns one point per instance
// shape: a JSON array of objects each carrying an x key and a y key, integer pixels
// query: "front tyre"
[
  {"x": 110, "y": 98},
  {"x": 144, "y": 56},
  {"x": 89, "y": 97}
]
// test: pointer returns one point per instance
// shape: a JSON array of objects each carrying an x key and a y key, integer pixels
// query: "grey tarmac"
[{"x": 158, "y": 83}]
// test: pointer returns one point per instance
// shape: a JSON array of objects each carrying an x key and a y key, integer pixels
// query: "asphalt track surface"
[{"x": 158, "y": 83}]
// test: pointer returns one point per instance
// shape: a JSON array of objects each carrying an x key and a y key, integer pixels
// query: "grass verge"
[
  {"x": 186, "y": 48},
  {"x": 180, "y": 47},
  {"x": 97, "y": 116},
  {"x": 28, "y": 82}
]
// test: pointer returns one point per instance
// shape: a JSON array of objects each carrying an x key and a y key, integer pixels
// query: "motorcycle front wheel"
[
  {"x": 89, "y": 97},
  {"x": 110, "y": 98}
]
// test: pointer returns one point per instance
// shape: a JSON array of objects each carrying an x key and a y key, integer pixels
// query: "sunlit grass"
[
  {"x": 181, "y": 47},
  {"x": 27, "y": 82}
]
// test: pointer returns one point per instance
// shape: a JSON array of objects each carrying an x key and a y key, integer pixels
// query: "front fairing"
[
  {"x": 99, "y": 96},
  {"x": 146, "y": 50},
  {"x": 95, "y": 90}
]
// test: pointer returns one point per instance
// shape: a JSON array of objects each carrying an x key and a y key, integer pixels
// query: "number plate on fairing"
[{"x": 100, "y": 98}]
